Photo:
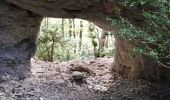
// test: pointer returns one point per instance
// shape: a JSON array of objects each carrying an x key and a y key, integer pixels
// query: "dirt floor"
[{"x": 80, "y": 80}]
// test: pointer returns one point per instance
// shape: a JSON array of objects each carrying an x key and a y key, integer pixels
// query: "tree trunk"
[
  {"x": 62, "y": 28},
  {"x": 70, "y": 28},
  {"x": 81, "y": 34},
  {"x": 74, "y": 28},
  {"x": 107, "y": 41},
  {"x": 102, "y": 42},
  {"x": 48, "y": 49},
  {"x": 98, "y": 38},
  {"x": 52, "y": 47},
  {"x": 74, "y": 35}
]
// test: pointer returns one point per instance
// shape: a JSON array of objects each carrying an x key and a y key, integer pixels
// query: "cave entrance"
[
  {"x": 21, "y": 19},
  {"x": 73, "y": 39},
  {"x": 81, "y": 54}
]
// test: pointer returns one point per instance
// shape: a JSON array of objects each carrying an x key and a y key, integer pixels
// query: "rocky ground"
[{"x": 80, "y": 80}]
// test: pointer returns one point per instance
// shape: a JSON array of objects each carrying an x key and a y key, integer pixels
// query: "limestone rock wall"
[
  {"x": 18, "y": 32},
  {"x": 92, "y": 10},
  {"x": 131, "y": 66}
]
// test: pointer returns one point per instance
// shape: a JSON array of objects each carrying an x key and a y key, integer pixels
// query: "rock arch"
[{"x": 20, "y": 21}]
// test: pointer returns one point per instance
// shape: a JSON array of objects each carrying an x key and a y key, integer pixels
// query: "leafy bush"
[{"x": 153, "y": 38}]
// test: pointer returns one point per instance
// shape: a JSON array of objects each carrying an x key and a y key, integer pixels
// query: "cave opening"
[
  {"x": 19, "y": 25},
  {"x": 62, "y": 39}
]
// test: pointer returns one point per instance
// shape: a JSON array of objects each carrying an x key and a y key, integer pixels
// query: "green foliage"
[
  {"x": 99, "y": 51},
  {"x": 56, "y": 44},
  {"x": 49, "y": 39},
  {"x": 94, "y": 42},
  {"x": 153, "y": 39}
]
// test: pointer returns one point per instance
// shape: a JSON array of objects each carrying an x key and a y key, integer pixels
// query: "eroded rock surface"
[
  {"x": 93, "y": 10},
  {"x": 131, "y": 66},
  {"x": 18, "y": 32}
]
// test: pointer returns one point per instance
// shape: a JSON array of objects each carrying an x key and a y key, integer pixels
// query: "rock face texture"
[
  {"x": 131, "y": 66},
  {"x": 18, "y": 32},
  {"x": 93, "y": 10},
  {"x": 20, "y": 21}
]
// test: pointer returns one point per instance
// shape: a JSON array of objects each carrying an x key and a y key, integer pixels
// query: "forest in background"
[{"x": 72, "y": 39}]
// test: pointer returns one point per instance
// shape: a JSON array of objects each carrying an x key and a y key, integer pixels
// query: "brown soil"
[{"x": 50, "y": 81}]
